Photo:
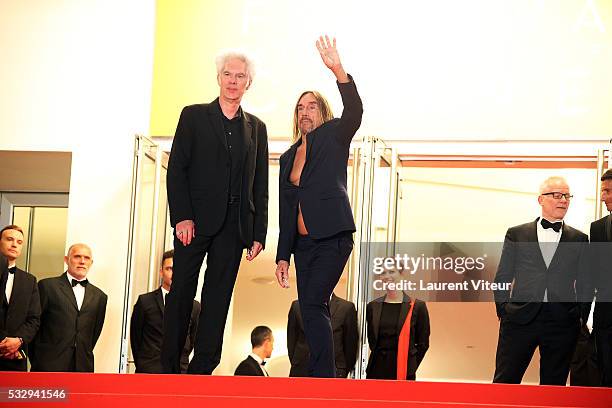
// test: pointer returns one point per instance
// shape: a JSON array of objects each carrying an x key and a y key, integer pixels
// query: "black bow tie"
[
  {"x": 263, "y": 363},
  {"x": 556, "y": 226},
  {"x": 83, "y": 283},
  {"x": 12, "y": 270}
]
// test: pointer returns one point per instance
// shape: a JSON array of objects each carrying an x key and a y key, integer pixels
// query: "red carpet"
[{"x": 173, "y": 391}]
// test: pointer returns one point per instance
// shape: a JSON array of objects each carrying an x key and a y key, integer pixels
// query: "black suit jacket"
[
  {"x": 67, "y": 335},
  {"x": 3, "y": 301},
  {"x": 22, "y": 316},
  {"x": 199, "y": 174},
  {"x": 146, "y": 333},
  {"x": 601, "y": 269},
  {"x": 345, "y": 334},
  {"x": 522, "y": 262},
  {"x": 419, "y": 330},
  {"x": 249, "y": 366},
  {"x": 322, "y": 191}
]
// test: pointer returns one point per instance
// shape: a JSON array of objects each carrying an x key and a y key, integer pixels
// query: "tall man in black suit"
[
  {"x": 218, "y": 197},
  {"x": 146, "y": 328},
  {"x": 262, "y": 341},
  {"x": 73, "y": 312},
  {"x": 544, "y": 260},
  {"x": 346, "y": 337},
  {"x": 19, "y": 303},
  {"x": 315, "y": 217},
  {"x": 601, "y": 231}
]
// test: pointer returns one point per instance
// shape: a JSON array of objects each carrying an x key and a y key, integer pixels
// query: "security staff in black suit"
[
  {"x": 19, "y": 303},
  {"x": 218, "y": 197},
  {"x": 146, "y": 328},
  {"x": 398, "y": 332},
  {"x": 73, "y": 312},
  {"x": 545, "y": 261},
  {"x": 592, "y": 361},
  {"x": 316, "y": 222},
  {"x": 346, "y": 337},
  {"x": 601, "y": 237},
  {"x": 262, "y": 341}
]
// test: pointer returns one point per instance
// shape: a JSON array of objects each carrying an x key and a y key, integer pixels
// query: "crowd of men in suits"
[{"x": 55, "y": 322}]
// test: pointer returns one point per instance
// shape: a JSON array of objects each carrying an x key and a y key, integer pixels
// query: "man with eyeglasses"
[{"x": 544, "y": 260}]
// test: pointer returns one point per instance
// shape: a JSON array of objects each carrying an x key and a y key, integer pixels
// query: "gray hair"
[
  {"x": 224, "y": 57},
  {"x": 552, "y": 180},
  {"x": 73, "y": 246}
]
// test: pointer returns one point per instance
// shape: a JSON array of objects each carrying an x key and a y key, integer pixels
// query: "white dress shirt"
[
  {"x": 79, "y": 290},
  {"x": 259, "y": 361},
  {"x": 9, "y": 284}
]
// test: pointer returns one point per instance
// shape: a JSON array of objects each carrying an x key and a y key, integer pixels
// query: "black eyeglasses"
[{"x": 557, "y": 195}]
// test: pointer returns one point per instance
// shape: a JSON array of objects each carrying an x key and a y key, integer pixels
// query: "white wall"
[
  {"x": 436, "y": 69},
  {"x": 76, "y": 76}
]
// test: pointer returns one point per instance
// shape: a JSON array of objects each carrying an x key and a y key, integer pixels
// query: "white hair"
[
  {"x": 225, "y": 56},
  {"x": 552, "y": 180}
]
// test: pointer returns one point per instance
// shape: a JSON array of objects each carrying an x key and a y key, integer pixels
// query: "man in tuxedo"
[
  {"x": 73, "y": 312},
  {"x": 19, "y": 303},
  {"x": 262, "y": 342},
  {"x": 544, "y": 260},
  {"x": 218, "y": 198},
  {"x": 146, "y": 328},
  {"x": 601, "y": 236},
  {"x": 344, "y": 328}
]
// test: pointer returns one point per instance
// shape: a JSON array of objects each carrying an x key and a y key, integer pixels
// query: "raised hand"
[
  {"x": 331, "y": 59},
  {"x": 329, "y": 53}
]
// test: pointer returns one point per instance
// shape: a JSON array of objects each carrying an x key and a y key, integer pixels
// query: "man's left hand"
[
  {"x": 10, "y": 356},
  {"x": 254, "y": 251},
  {"x": 10, "y": 345},
  {"x": 331, "y": 59}
]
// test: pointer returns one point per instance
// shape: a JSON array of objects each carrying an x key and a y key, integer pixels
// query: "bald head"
[{"x": 78, "y": 260}]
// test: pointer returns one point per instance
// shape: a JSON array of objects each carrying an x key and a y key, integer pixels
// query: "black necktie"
[
  {"x": 83, "y": 283},
  {"x": 556, "y": 226},
  {"x": 12, "y": 270}
]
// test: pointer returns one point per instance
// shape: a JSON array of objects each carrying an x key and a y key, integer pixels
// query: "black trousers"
[
  {"x": 302, "y": 371},
  {"x": 319, "y": 264},
  {"x": 602, "y": 328},
  {"x": 223, "y": 253},
  {"x": 517, "y": 343},
  {"x": 584, "y": 371},
  {"x": 13, "y": 365}
]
